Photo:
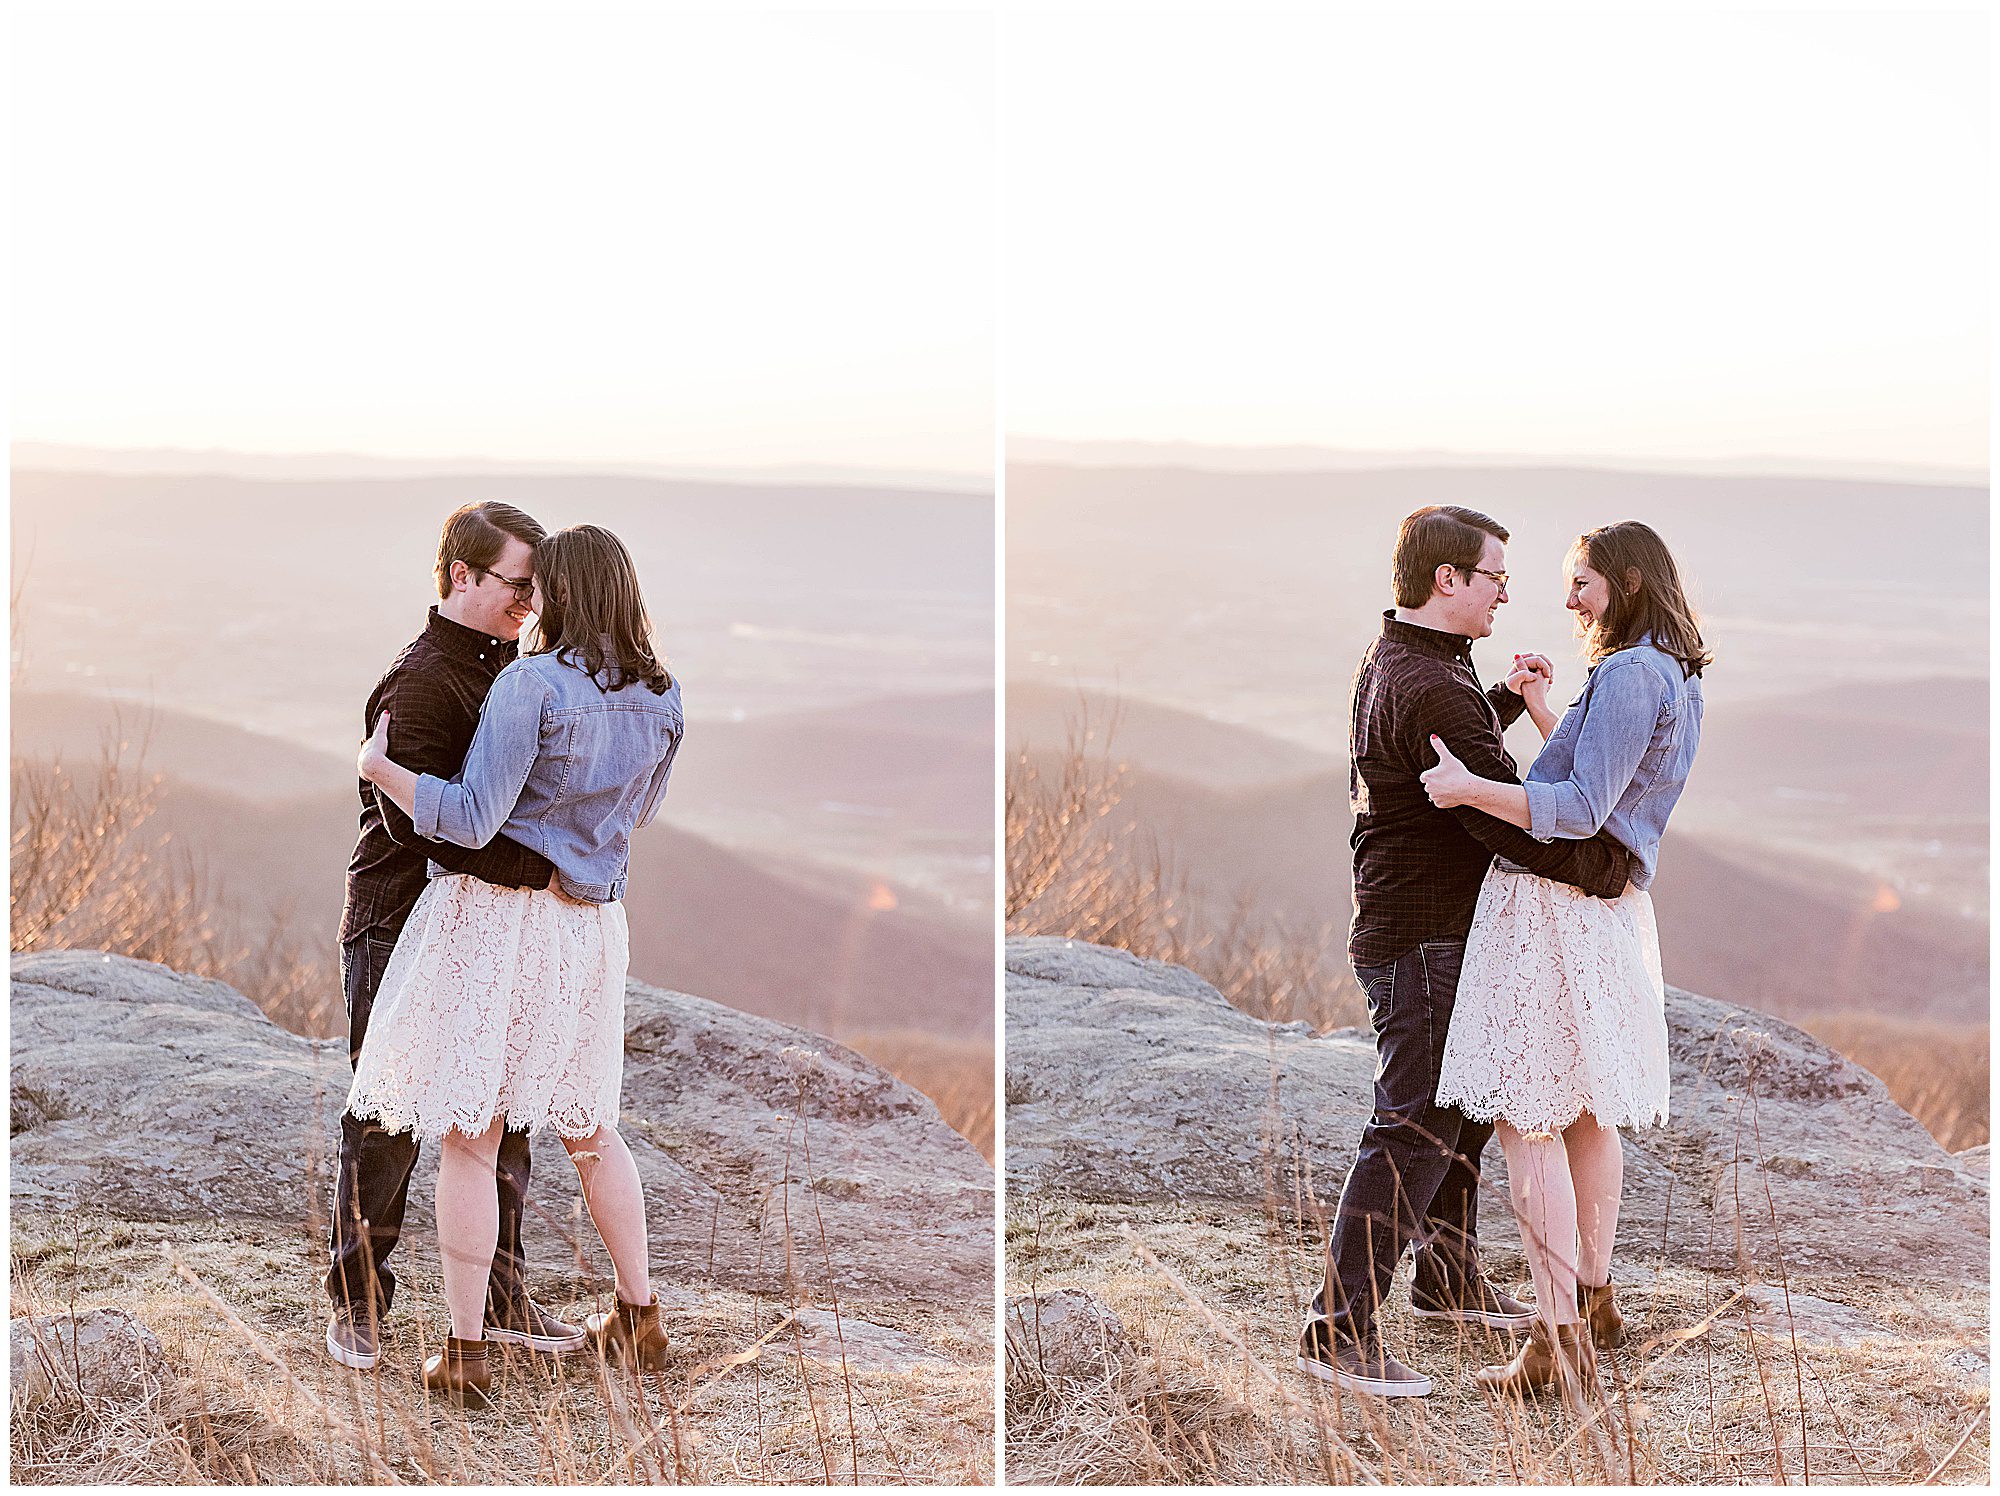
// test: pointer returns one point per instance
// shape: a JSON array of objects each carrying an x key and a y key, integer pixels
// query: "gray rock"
[
  {"x": 146, "y": 1095},
  {"x": 1130, "y": 1085},
  {"x": 1064, "y": 1335},
  {"x": 97, "y": 1355},
  {"x": 1816, "y": 1320},
  {"x": 857, "y": 1343},
  {"x": 1978, "y": 1162}
]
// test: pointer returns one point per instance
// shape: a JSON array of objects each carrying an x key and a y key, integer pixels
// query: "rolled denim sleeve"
[
  {"x": 656, "y": 791},
  {"x": 470, "y": 810},
  {"x": 1620, "y": 713}
]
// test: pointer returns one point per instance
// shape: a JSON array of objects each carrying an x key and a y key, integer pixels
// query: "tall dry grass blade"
[
  {"x": 1952, "y": 1453},
  {"x": 256, "y": 1342},
  {"x": 1357, "y": 1468}
]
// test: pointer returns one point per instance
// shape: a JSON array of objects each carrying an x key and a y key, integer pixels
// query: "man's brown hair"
[
  {"x": 1438, "y": 535},
  {"x": 477, "y": 533}
]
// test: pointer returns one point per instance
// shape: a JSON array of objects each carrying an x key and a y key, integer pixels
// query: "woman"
[
  {"x": 1559, "y": 1031},
  {"x": 505, "y": 1007}
]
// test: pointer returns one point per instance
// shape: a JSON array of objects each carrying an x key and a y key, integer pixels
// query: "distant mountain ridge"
[
  {"x": 1307, "y": 458},
  {"x": 305, "y": 466}
]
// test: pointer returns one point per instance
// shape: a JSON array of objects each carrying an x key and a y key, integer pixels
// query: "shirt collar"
[
  {"x": 1431, "y": 641},
  {"x": 466, "y": 644}
]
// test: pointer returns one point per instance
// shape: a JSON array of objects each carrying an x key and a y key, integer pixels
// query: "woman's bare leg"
[
  {"x": 1597, "y": 1173},
  {"x": 617, "y": 1207},
  {"x": 1545, "y": 1204},
  {"x": 468, "y": 1225}
]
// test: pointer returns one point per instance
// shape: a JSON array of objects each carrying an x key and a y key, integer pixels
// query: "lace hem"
[
  {"x": 1494, "y": 1109},
  {"x": 433, "y": 1130}
]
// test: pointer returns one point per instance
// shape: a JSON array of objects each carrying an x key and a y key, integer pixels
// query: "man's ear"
[
  {"x": 1445, "y": 579},
  {"x": 461, "y": 575}
]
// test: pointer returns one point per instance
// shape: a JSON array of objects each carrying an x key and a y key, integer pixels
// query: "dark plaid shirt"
[
  {"x": 1417, "y": 869},
  {"x": 432, "y": 691}
]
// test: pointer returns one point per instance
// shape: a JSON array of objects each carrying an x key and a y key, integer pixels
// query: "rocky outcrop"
[
  {"x": 146, "y": 1095},
  {"x": 100, "y": 1355},
  {"x": 1132, "y": 1080}
]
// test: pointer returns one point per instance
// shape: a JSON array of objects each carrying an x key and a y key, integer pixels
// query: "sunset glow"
[{"x": 694, "y": 238}]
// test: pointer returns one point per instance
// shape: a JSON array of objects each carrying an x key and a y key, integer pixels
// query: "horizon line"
[
  {"x": 1297, "y": 457},
  {"x": 32, "y": 454}
]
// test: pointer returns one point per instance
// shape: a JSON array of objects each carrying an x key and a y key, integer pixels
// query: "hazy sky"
[
  {"x": 1695, "y": 235},
  {"x": 703, "y": 239}
]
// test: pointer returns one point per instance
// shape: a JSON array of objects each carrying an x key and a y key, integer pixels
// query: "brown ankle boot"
[
  {"x": 460, "y": 1372},
  {"x": 1599, "y": 1308},
  {"x": 630, "y": 1334},
  {"x": 1535, "y": 1367}
]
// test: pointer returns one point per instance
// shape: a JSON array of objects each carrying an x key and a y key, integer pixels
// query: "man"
[
  {"x": 1417, "y": 871},
  {"x": 433, "y": 691}
]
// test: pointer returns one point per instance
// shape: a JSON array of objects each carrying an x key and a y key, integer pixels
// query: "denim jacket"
[
  {"x": 1620, "y": 755},
  {"x": 560, "y": 765}
]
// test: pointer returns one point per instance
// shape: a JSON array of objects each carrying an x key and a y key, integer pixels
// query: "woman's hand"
[
  {"x": 556, "y": 888},
  {"x": 1450, "y": 782},
  {"x": 1530, "y": 680},
  {"x": 375, "y": 752},
  {"x": 1528, "y": 668}
]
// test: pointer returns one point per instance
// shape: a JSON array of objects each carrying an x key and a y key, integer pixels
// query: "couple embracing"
[
  {"x": 1504, "y": 937},
  {"x": 484, "y": 944}
]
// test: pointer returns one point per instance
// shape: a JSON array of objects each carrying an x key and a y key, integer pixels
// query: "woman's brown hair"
[
  {"x": 1646, "y": 595},
  {"x": 592, "y": 614}
]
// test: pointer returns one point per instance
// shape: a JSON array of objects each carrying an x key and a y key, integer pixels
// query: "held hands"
[
  {"x": 1531, "y": 678},
  {"x": 1450, "y": 782},
  {"x": 375, "y": 752}
]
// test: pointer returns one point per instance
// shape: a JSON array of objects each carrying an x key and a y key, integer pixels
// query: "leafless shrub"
[
  {"x": 1080, "y": 867},
  {"x": 88, "y": 870}
]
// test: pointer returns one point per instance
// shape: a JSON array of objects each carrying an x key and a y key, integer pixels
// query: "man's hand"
[
  {"x": 1531, "y": 678},
  {"x": 556, "y": 888},
  {"x": 1450, "y": 782},
  {"x": 375, "y": 752},
  {"x": 1530, "y": 666}
]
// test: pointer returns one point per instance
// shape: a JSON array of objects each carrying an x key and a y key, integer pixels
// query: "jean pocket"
[{"x": 1378, "y": 988}]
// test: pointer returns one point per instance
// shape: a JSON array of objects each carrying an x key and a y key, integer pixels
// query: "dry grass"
[
  {"x": 255, "y": 1400},
  {"x": 957, "y": 1075},
  {"x": 1703, "y": 1393},
  {"x": 1937, "y": 1072},
  {"x": 1080, "y": 867}
]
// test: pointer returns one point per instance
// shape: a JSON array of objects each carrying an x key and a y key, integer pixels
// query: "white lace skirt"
[
  {"x": 497, "y": 1002},
  {"x": 1561, "y": 1009}
]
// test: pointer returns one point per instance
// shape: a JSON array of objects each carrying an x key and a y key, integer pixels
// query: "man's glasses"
[
  {"x": 524, "y": 587},
  {"x": 1498, "y": 576}
]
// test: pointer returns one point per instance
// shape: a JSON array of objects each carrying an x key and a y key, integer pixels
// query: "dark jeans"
[
  {"x": 373, "y": 1187},
  {"x": 1416, "y": 1176}
]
